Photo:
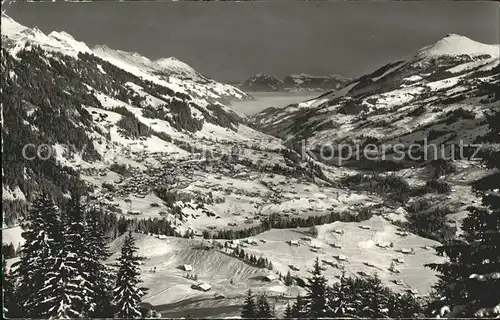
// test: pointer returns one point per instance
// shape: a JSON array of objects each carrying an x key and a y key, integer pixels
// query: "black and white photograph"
[{"x": 250, "y": 159}]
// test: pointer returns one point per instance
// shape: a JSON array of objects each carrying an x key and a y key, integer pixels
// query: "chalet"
[
  {"x": 218, "y": 296},
  {"x": 187, "y": 267},
  {"x": 269, "y": 278},
  {"x": 341, "y": 257},
  {"x": 412, "y": 291},
  {"x": 294, "y": 243},
  {"x": 336, "y": 245},
  {"x": 407, "y": 251},
  {"x": 316, "y": 245},
  {"x": 162, "y": 236},
  {"x": 294, "y": 268},
  {"x": 202, "y": 286},
  {"x": 365, "y": 227},
  {"x": 251, "y": 241},
  {"x": 400, "y": 260}
]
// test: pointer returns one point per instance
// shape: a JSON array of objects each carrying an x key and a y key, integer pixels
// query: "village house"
[
  {"x": 341, "y": 257},
  {"x": 407, "y": 251},
  {"x": 269, "y": 278},
  {"x": 203, "y": 286}
]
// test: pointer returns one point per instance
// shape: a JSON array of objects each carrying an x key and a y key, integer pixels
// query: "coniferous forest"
[{"x": 61, "y": 272}]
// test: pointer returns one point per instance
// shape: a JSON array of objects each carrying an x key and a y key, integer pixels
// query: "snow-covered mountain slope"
[
  {"x": 293, "y": 83},
  {"x": 169, "y": 72},
  {"x": 457, "y": 45},
  {"x": 175, "y": 73},
  {"x": 96, "y": 114},
  {"x": 441, "y": 94},
  {"x": 179, "y": 68}
]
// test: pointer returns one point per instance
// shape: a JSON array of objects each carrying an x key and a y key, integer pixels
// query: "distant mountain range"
[{"x": 293, "y": 83}]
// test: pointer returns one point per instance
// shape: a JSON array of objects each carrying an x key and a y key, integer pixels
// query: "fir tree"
[
  {"x": 263, "y": 308},
  {"x": 288, "y": 311},
  {"x": 249, "y": 309},
  {"x": 10, "y": 308},
  {"x": 341, "y": 298},
  {"x": 288, "y": 279},
  {"x": 127, "y": 295},
  {"x": 375, "y": 299},
  {"x": 316, "y": 307},
  {"x": 42, "y": 232},
  {"x": 404, "y": 306},
  {"x": 67, "y": 289},
  {"x": 299, "y": 308},
  {"x": 99, "y": 275}
]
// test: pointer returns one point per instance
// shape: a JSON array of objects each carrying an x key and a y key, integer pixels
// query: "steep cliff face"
[{"x": 262, "y": 83}]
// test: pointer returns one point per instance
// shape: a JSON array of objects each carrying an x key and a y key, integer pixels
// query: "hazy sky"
[{"x": 232, "y": 41}]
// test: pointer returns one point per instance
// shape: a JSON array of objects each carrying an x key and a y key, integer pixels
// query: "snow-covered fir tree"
[
  {"x": 340, "y": 298},
  {"x": 299, "y": 308},
  {"x": 127, "y": 294},
  {"x": 316, "y": 299},
  {"x": 67, "y": 287},
  {"x": 100, "y": 276},
  {"x": 249, "y": 308},
  {"x": 263, "y": 309},
  {"x": 10, "y": 308},
  {"x": 42, "y": 232},
  {"x": 376, "y": 299}
]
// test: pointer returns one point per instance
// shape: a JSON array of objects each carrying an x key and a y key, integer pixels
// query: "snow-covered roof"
[
  {"x": 270, "y": 277},
  {"x": 204, "y": 286}
]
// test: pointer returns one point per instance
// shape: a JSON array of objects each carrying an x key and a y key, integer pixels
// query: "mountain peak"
[
  {"x": 454, "y": 45},
  {"x": 10, "y": 27},
  {"x": 167, "y": 59}
]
